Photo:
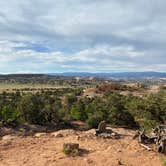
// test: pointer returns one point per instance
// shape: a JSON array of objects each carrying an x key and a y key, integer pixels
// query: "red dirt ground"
[{"x": 46, "y": 150}]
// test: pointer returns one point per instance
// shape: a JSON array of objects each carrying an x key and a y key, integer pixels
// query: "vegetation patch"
[
  {"x": 67, "y": 104},
  {"x": 71, "y": 149},
  {"x": 163, "y": 160}
]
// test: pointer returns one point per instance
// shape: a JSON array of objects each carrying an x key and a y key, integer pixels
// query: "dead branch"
[{"x": 146, "y": 147}]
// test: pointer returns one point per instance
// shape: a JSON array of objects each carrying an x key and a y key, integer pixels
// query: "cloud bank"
[{"x": 82, "y": 35}]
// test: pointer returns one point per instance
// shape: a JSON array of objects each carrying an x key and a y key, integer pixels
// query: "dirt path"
[{"x": 46, "y": 150}]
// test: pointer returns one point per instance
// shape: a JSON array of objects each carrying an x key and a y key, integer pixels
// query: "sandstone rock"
[
  {"x": 92, "y": 131},
  {"x": 40, "y": 134},
  {"x": 63, "y": 133},
  {"x": 58, "y": 135},
  {"x": 8, "y": 137}
]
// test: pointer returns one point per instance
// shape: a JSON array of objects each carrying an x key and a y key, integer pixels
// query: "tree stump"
[{"x": 102, "y": 126}]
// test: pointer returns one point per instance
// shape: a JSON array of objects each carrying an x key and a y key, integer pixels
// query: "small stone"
[
  {"x": 78, "y": 137},
  {"x": 57, "y": 135},
  {"x": 113, "y": 134},
  {"x": 119, "y": 150},
  {"x": 119, "y": 162},
  {"x": 89, "y": 161},
  {"x": 92, "y": 131}
]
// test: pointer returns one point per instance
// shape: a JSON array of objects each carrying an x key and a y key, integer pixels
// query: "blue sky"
[{"x": 50, "y": 36}]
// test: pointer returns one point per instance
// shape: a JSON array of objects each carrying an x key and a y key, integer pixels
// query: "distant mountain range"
[
  {"x": 113, "y": 75},
  {"x": 117, "y": 75}
]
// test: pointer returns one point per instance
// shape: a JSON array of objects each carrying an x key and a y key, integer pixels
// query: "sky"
[{"x": 52, "y": 36}]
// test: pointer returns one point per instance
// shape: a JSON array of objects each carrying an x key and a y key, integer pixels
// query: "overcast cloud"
[{"x": 82, "y": 35}]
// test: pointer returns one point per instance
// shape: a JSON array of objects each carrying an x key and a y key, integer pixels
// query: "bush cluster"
[{"x": 50, "y": 108}]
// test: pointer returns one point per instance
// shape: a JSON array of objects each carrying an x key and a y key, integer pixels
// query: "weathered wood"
[
  {"x": 102, "y": 126},
  {"x": 143, "y": 138},
  {"x": 161, "y": 147},
  {"x": 146, "y": 147}
]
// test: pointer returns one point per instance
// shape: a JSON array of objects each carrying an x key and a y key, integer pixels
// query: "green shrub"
[
  {"x": 163, "y": 160},
  {"x": 48, "y": 107},
  {"x": 94, "y": 119},
  {"x": 9, "y": 115},
  {"x": 71, "y": 152},
  {"x": 75, "y": 113},
  {"x": 147, "y": 125}
]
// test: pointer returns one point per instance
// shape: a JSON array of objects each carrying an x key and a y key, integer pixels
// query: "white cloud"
[
  {"x": 98, "y": 58},
  {"x": 60, "y": 35}
]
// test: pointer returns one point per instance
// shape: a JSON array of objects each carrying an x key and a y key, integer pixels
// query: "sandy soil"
[{"x": 46, "y": 150}]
